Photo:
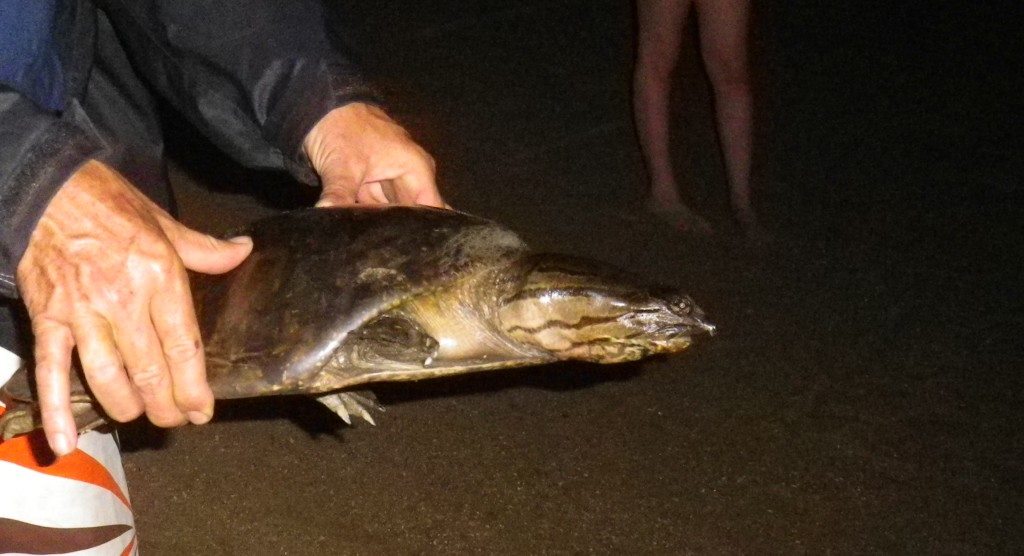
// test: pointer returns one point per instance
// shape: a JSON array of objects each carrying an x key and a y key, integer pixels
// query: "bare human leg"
[
  {"x": 659, "y": 38},
  {"x": 723, "y": 31}
]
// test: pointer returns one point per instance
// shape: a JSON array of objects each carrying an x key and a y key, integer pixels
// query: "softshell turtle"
[{"x": 331, "y": 299}]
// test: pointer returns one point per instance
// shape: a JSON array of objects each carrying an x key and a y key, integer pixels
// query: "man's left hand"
[{"x": 364, "y": 157}]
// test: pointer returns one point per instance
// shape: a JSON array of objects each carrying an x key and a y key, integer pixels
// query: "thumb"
[
  {"x": 207, "y": 254},
  {"x": 338, "y": 191}
]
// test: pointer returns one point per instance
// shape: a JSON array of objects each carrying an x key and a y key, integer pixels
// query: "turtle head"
[{"x": 579, "y": 309}]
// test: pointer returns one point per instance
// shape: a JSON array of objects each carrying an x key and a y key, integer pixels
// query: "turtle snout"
[
  {"x": 691, "y": 318},
  {"x": 700, "y": 326},
  {"x": 688, "y": 327}
]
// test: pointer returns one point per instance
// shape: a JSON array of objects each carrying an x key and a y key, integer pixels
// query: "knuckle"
[
  {"x": 424, "y": 161},
  {"x": 47, "y": 366},
  {"x": 157, "y": 259},
  {"x": 150, "y": 379},
  {"x": 109, "y": 295},
  {"x": 163, "y": 267},
  {"x": 53, "y": 337},
  {"x": 50, "y": 405},
  {"x": 182, "y": 351},
  {"x": 102, "y": 372},
  {"x": 43, "y": 326}
]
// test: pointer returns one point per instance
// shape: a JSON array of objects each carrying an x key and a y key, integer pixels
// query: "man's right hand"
[{"x": 105, "y": 271}]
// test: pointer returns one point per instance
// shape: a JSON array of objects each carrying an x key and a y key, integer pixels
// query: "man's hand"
[
  {"x": 363, "y": 156},
  {"x": 105, "y": 271}
]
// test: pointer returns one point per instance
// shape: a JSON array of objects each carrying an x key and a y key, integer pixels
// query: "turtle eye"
[{"x": 682, "y": 305}]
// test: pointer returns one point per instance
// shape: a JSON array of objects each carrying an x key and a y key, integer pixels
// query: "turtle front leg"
[
  {"x": 21, "y": 410},
  {"x": 22, "y": 417},
  {"x": 346, "y": 404}
]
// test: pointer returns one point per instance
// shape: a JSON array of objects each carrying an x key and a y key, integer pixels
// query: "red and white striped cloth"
[{"x": 77, "y": 504}]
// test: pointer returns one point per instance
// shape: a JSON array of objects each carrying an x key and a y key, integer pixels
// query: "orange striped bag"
[{"x": 77, "y": 504}]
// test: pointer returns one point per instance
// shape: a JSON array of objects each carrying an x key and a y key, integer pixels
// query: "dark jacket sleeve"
[
  {"x": 38, "y": 152},
  {"x": 254, "y": 76}
]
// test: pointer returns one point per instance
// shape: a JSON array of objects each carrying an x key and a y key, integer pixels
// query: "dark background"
[{"x": 864, "y": 393}]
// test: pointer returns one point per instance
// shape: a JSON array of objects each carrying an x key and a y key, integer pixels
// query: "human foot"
[
  {"x": 751, "y": 226},
  {"x": 679, "y": 216}
]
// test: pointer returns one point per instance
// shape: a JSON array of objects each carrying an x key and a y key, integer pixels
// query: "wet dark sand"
[{"x": 865, "y": 391}]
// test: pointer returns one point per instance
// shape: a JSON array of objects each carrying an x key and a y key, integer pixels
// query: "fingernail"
[
  {"x": 61, "y": 444},
  {"x": 198, "y": 417},
  {"x": 241, "y": 240},
  {"x": 323, "y": 203}
]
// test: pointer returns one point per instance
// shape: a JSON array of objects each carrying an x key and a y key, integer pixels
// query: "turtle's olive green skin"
[{"x": 335, "y": 298}]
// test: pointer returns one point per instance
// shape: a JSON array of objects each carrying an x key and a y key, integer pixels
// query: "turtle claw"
[
  {"x": 347, "y": 404},
  {"x": 366, "y": 416},
  {"x": 15, "y": 422},
  {"x": 23, "y": 417},
  {"x": 341, "y": 411}
]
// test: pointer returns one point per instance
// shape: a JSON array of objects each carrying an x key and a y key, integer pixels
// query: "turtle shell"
[{"x": 316, "y": 275}]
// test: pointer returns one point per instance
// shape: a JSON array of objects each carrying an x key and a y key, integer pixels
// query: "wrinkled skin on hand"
[
  {"x": 105, "y": 272},
  {"x": 364, "y": 157}
]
